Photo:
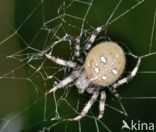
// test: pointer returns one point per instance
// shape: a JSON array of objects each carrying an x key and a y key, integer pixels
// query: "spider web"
[{"x": 31, "y": 28}]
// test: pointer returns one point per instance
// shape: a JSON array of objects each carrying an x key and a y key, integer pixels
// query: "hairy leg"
[
  {"x": 92, "y": 38},
  {"x": 87, "y": 107},
  {"x": 129, "y": 77},
  {"x": 61, "y": 61},
  {"x": 102, "y": 104},
  {"x": 64, "y": 82},
  {"x": 77, "y": 47}
]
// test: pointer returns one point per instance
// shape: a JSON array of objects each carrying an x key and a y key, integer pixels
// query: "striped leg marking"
[
  {"x": 60, "y": 61},
  {"x": 92, "y": 38},
  {"x": 102, "y": 104},
  {"x": 77, "y": 47},
  {"x": 64, "y": 82},
  {"x": 87, "y": 107},
  {"x": 129, "y": 77}
]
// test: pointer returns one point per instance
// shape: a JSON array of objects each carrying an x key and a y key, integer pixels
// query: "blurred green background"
[{"x": 28, "y": 27}]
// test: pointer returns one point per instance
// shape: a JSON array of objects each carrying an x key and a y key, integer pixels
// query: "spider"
[{"x": 102, "y": 68}]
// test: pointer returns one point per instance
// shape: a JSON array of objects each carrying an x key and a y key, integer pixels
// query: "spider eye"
[{"x": 105, "y": 63}]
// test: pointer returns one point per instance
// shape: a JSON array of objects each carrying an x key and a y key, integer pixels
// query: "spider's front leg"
[
  {"x": 92, "y": 38},
  {"x": 77, "y": 51},
  {"x": 77, "y": 47}
]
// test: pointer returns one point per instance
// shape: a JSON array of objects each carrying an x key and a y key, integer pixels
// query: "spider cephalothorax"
[{"x": 103, "y": 66}]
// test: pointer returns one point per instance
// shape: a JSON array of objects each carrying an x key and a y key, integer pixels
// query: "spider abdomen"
[{"x": 105, "y": 63}]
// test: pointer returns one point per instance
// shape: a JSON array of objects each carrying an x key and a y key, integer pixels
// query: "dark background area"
[{"x": 22, "y": 101}]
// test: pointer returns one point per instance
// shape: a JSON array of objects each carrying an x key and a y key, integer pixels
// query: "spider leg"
[
  {"x": 64, "y": 82},
  {"x": 128, "y": 78},
  {"x": 60, "y": 61},
  {"x": 102, "y": 104},
  {"x": 92, "y": 38},
  {"x": 87, "y": 107},
  {"x": 77, "y": 47}
]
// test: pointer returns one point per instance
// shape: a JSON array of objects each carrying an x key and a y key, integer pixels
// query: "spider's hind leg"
[
  {"x": 87, "y": 107},
  {"x": 129, "y": 77},
  {"x": 66, "y": 81},
  {"x": 102, "y": 104},
  {"x": 60, "y": 61}
]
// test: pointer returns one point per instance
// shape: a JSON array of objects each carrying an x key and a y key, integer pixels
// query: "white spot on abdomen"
[
  {"x": 97, "y": 70},
  {"x": 114, "y": 71},
  {"x": 103, "y": 59},
  {"x": 104, "y": 77}
]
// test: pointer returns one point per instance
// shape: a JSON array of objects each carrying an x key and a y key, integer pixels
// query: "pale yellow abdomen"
[{"x": 105, "y": 63}]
